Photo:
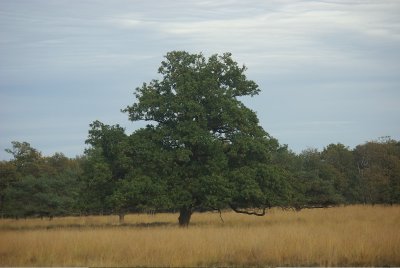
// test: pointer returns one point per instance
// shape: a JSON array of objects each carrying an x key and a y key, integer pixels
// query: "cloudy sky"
[{"x": 329, "y": 70}]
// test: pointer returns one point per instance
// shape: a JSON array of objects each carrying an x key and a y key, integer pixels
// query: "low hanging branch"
[
  {"x": 255, "y": 213},
  {"x": 220, "y": 216},
  {"x": 220, "y": 213},
  {"x": 298, "y": 208}
]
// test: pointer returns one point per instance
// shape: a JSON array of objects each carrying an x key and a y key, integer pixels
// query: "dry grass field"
[{"x": 343, "y": 236}]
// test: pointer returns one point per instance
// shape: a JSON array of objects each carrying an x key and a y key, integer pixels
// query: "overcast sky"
[{"x": 329, "y": 71}]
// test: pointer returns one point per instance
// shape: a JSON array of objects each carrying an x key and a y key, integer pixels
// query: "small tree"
[
  {"x": 27, "y": 160},
  {"x": 315, "y": 181},
  {"x": 340, "y": 162},
  {"x": 378, "y": 164},
  {"x": 43, "y": 196},
  {"x": 105, "y": 166},
  {"x": 8, "y": 176}
]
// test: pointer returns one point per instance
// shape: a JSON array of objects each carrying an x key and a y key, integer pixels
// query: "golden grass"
[{"x": 344, "y": 236}]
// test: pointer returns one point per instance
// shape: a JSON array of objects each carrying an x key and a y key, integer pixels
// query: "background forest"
[{"x": 33, "y": 185}]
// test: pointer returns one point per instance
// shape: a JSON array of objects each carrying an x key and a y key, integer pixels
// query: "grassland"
[{"x": 343, "y": 236}]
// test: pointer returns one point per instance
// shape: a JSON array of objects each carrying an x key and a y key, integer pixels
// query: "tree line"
[
  {"x": 33, "y": 185},
  {"x": 201, "y": 150}
]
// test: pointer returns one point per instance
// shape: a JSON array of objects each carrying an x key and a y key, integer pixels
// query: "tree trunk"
[
  {"x": 121, "y": 216},
  {"x": 184, "y": 216}
]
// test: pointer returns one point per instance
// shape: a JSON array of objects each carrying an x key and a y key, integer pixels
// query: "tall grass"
[{"x": 345, "y": 236}]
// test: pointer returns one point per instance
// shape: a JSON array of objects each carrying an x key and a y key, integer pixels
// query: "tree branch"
[
  {"x": 220, "y": 216},
  {"x": 220, "y": 213},
  {"x": 298, "y": 208},
  {"x": 255, "y": 213}
]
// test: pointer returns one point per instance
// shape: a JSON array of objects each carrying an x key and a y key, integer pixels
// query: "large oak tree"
[{"x": 212, "y": 148}]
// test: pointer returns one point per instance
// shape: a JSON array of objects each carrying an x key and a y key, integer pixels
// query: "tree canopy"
[{"x": 213, "y": 151}]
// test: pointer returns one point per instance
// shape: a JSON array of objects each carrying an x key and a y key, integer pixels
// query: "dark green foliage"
[
  {"x": 123, "y": 173},
  {"x": 42, "y": 196},
  {"x": 8, "y": 176},
  {"x": 27, "y": 160},
  {"x": 378, "y": 171},
  {"x": 370, "y": 174},
  {"x": 33, "y": 185},
  {"x": 96, "y": 182},
  {"x": 213, "y": 149}
]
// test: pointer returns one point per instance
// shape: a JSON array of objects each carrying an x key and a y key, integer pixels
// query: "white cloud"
[
  {"x": 293, "y": 30},
  {"x": 126, "y": 23}
]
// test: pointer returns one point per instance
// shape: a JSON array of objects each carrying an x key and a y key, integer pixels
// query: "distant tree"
[
  {"x": 8, "y": 176},
  {"x": 123, "y": 174},
  {"x": 57, "y": 163},
  {"x": 143, "y": 187},
  {"x": 215, "y": 152},
  {"x": 292, "y": 166},
  {"x": 105, "y": 165},
  {"x": 373, "y": 180},
  {"x": 393, "y": 169},
  {"x": 378, "y": 165},
  {"x": 111, "y": 141},
  {"x": 342, "y": 164},
  {"x": 27, "y": 160},
  {"x": 35, "y": 185},
  {"x": 96, "y": 182},
  {"x": 317, "y": 181},
  {"x": 43, "y": 196}
]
